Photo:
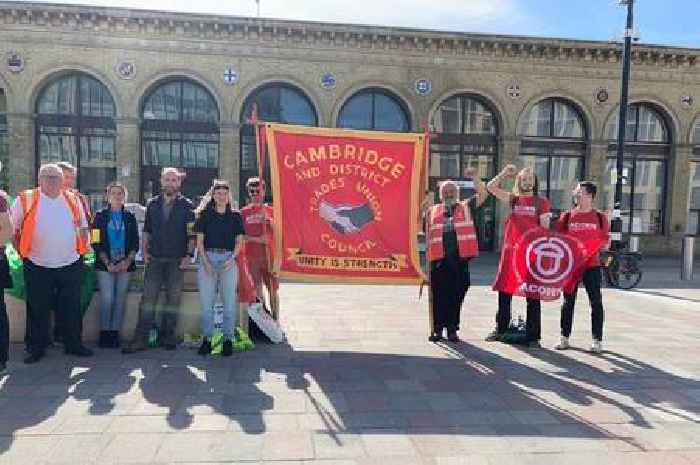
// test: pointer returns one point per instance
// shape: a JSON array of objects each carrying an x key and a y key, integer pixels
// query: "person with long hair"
[
  {"x": 219, "y": 230},
  {"x": 529, "y": 207},
  {"x": 116, "y": 246}
]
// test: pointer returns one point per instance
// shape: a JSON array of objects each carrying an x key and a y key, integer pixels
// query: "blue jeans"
[
  {"x": 113, "y": 289},
  {"x": 226, "y": 282}
]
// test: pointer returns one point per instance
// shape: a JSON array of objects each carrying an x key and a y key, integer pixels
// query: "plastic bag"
[
  {"x": 266, "y": 323},
  {"x": 516, "y": 333},
  {"x": 19, "y": 291}
]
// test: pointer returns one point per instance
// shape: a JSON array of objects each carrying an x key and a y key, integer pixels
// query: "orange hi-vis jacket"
[
  {"x": 464, "y": 227},
  {"x": 29, "y": 200}
]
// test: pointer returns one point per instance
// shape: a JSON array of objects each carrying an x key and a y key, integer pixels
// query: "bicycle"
[{"x": 622, "y": 268}]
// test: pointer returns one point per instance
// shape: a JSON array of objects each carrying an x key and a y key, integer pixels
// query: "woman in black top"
[
  {"x": 116, "y": 242},
  {"x": 219, "y": 231}
]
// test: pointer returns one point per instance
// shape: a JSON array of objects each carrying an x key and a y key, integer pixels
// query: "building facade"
[{"x": 121, "y": 93}]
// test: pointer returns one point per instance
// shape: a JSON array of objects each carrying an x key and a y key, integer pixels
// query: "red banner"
[
  {"x": 345, "y": 204},
  {"x": 539, "y": 264}
]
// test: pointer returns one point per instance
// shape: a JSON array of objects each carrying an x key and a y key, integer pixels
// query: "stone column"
[
  {"x": 595, "y": 164},
  {"x": 229, "y": 156},
  {"x": 129, "y": 156},
  {"x": 509, "y": 149},
  {"x": 21, "y": 167},
  {"x": 678, "y": 191}
]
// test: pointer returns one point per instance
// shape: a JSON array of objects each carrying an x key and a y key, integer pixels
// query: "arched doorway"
[
  {"x": 694, "y": 188},
  {"x": 75, "y": 123},
  {"x": 647, "y": 150},
  {"x": 554, "y": 144},
  {"x": 465, "y": 135},
  {"x": 179, "y": 127},
  {"x": 374, "y": 109},
  {"x": 277, "y": 103}
]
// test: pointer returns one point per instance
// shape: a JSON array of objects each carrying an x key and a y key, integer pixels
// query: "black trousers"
[
  {"x": 57, "y": 322},
  {"x": 4, "y": 329},
  {"x": 449, "y": 282},
  {"x": 40, "y": 282},
  {"x": 592, "y": 281},
  {"x": 533, "y": 317}
]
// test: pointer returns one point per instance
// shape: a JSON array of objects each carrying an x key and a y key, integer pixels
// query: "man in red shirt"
[
  {"x": 257, "y": 222},
  {"x": 529, "y": 207},
  {"x": 585, "y": 221}
]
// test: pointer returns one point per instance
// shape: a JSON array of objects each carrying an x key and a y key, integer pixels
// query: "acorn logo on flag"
[{"x": 346, "y": 219}]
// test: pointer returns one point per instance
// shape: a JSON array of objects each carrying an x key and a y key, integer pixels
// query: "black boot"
[
  {"x": 227, "y": 350},
  {"x": 205, "y": 348},
  {"x": 114, "y": 339},
  {"x": 452, "y": 335},
  {"x": 436, "y": 336},
  {"x": 103, "y": 342}
]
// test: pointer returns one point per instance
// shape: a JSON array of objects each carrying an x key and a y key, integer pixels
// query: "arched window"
[
  {"x": 180, "y": 127},
  {"x": 694, "y": 190},
  {"x": 75, "y": 123},
  {"x": 554, "y": 145},
  {"x": 647, "y": 148},
  {"x": 464, "y": 132},
  {"x": 374, "y": 109},
  {"x": 4, "y": 146},
  {"x": 276, "y": 103}
]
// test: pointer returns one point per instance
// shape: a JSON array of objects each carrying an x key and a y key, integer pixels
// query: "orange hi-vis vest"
[
  {"x": 464, "y": 227},
  {"x": 29, "y": 200}
]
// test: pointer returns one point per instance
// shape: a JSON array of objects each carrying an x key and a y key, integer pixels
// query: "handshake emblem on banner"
[{"x": 346, "y": 219}]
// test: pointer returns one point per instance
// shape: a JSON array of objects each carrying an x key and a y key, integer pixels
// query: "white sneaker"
[
  {"x": 597, "y": 346},
  {"x": 563, "y": 344}
]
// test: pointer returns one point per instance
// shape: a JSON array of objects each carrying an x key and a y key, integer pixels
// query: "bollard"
[
  {"x": 687, "y": 258},
  {"x": 634, "y": 244}
]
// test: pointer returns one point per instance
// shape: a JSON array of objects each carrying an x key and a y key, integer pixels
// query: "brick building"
[{"x": 120, "y": 93}]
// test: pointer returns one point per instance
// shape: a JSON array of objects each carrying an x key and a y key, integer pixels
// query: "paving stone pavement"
[{"x": 358, "y": 384}]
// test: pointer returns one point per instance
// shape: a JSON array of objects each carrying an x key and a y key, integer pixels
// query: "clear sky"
[{"x": 667, "y": 22}]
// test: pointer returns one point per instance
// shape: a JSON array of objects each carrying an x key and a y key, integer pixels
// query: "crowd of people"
[
  {"x": 452, "y": 242},
  {"x": 52, "y": 229}
]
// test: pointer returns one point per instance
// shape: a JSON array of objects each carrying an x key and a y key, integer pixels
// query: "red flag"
[
  {"x": 246, "y": 287},
  {"x": 539, "y": 264},
  {"x": 346, "y": 204}
]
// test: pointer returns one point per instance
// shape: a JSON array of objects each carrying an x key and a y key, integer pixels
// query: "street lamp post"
[{"x": 616, "y": 223}]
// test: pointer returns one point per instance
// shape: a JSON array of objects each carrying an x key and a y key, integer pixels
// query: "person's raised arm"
[
  {"x": 494, "y": 185},
  {"x": 545, "y": 211},
  {"x": 481, "y": 192}
]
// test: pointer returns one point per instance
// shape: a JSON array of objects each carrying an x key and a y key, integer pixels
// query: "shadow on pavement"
[{"x": 464, "y": 390}]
